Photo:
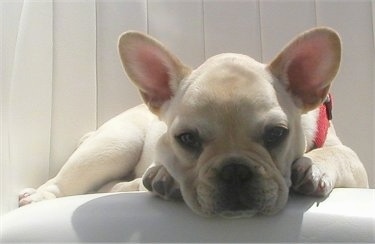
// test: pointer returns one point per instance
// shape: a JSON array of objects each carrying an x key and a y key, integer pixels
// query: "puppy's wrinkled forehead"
[{"x": 229, "y": 80}]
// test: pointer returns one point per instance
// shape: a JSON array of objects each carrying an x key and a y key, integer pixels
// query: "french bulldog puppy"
[{"x": 230, "y": 138}]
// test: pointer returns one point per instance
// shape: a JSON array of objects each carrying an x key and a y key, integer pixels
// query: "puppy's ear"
[
  {"x": 308, "y": 65},
  {"x": 153, "y": 69}
]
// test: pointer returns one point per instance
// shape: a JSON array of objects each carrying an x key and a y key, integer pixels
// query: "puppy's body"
[{"x": 230, "y": 137}]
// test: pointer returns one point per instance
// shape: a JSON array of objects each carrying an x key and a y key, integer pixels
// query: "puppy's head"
[{"x": 234, "y": 124}]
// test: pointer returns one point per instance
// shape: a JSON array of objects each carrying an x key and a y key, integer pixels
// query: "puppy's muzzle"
[
  {"x": 236, "y": 182},
  {"x": 239, "y": 185}
]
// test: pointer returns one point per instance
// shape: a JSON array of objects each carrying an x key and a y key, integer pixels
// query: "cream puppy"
[{"x": 230, "y": 138}]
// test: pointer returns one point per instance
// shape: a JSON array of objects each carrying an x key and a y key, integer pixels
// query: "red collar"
[{"x": 325, "y": 115}]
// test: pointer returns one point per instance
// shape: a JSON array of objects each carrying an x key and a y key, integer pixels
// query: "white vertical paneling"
[
  {"x": 115, "y": 92},
  {"x": 9, "y": 21},
  {"x": 74, "y": 78},
  {"x": 281, "y": 21},
  {"x": 373, "y": 94},
  {"x": 30, "y": 98},
  {"x": 232, "y": 26},
  {"x": 354, "y": 85},
  {"x": 4, "y": 129},
  {"x": 179, "y": 25}
]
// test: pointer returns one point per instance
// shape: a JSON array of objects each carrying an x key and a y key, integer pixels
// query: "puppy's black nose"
[{"x": 235, "y": 174}]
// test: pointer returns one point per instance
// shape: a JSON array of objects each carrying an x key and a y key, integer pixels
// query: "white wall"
[{"x": 81, "y": 83}]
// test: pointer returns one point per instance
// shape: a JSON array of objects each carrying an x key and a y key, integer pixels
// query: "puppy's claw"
[
  {"x": 25, "y": 193},
  {"x": 176, "y": 194},
  {"x": 161, "y": 187},
  {"x": 30, "y": 195},
  {"x": 308, "y": 179},
  {"x": 148, "y": 177},
  {"x": 24, "y": 196},
  {"x": 159, "y": 181}
]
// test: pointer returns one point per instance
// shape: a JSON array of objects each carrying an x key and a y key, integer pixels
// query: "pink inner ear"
[
  {"x": 301, "y": 72},
  {"x": 311, "y": 68},
  {"x": 153, "y": 75}
]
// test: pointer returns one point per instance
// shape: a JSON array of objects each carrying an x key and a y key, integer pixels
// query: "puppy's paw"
[
  {"x": 308, "y": 179},
  {"x": 30, "y": 195},
  {"x": 159, "y": 181}
]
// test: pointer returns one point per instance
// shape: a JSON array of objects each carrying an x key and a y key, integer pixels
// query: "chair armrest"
[{"x": 346, "y": 215}]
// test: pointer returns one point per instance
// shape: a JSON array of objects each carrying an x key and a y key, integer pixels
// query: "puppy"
[{"x": 230, "y": 138}]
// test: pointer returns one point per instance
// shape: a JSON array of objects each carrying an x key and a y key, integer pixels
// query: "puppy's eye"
[
  {"x": 189, "y": 140},
  {"x": 274, "y": 136}
]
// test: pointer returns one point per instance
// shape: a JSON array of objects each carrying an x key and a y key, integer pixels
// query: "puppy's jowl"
[{"x": 230, "y": 138}]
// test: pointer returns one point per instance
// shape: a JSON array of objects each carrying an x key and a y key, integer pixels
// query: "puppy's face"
[
  {"x": 228, "y": 144},
  {"x": 233, "y": 123}
]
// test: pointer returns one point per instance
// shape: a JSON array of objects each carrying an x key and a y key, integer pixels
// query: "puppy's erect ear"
[
  {"x": 308, "y": 65},
  {"x": 153, "y": 69}
]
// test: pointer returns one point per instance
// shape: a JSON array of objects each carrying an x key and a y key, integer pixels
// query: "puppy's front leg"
[
  {"x": 158, "y": 180},
  {"x": 334, "y": 165}
]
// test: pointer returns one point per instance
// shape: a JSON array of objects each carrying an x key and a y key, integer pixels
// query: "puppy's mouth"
[
  {"x": 238, "y": 190},
  {"x": 244, "y": 203}
]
